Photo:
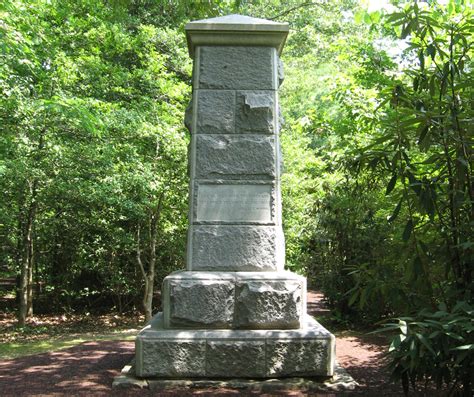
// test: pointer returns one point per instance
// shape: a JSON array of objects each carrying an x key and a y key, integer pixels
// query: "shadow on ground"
[{"x": 88, "y": 369}]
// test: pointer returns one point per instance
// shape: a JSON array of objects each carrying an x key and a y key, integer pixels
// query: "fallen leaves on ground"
[{"x": 42, "y": 327}]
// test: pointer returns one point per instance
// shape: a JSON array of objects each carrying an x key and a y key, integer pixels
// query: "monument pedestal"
[
  {"x": 234, "y": 313},
  {"x": 234, "y": 324},
  {"x": 219, "y": 353}
]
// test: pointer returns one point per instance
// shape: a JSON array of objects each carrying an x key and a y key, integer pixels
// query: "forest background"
[{"x": 377, "y": 146}]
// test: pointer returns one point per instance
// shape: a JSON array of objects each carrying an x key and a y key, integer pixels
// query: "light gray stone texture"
[
  {"x": 234, "y": 30},
  {"x": 268, "y": 304},
  {"x": 235, "y": 312},
  {"x": 235, "y": 358},
  {"x": 205, "y": 300},
  {"x": 234, "y": 202},
  {"x": 170, "y": 358},
  {"x": 238, "y": 68},
  {"x": 228, "y": 156},
  {"x": 294, "y": 357},
  {"x": 194, "y": 303},
  {"x": 281, "y": 74},
  {"x": 215, "y": 112},
  {"x": 188, "y": 117},
  {"x": 255, "y": 112},
  {"x": 341, "y": 382},
  {"x": 307, "y": 351},
  {"x": 236, "y": 248}
]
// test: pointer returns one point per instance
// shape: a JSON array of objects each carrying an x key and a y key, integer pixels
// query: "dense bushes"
[
  {"x": 435, "y": 346},
  {"x": 394, "y": 232}
]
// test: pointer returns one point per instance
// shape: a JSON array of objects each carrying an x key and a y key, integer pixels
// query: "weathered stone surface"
[
  {"x": 195, "y": 303},
  {"x": 170, "y": 358},
  {"x": 238, "y": 68},
  {"x": 234, "y": 202},
  {"x": 255, "y": 112},
  {"x": 235, "y": 358},
  {"x": 236, "y": 248},
  {"x": 215, "y": 112},
  {"x": 226, "y": 156},
  {"x": 188, "y": 117},
  {"x": 268, "y": 304},
  {"x": 295, "y": 357},
  {"x": 307, "y": 351},
  {"x": 205, "y": 300},
  {"x": 128, "y": 380},
  {"x": 235, "y": 313},
  {"x": 281, "y": 73},
  {"x": 341, "y": 382},
  {"x": 234, "y": 30}
]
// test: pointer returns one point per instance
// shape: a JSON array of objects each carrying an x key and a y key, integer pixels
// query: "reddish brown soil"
[{"x": 88, "y": 369}]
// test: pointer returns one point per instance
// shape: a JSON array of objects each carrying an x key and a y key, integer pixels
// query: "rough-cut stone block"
[
  {"x": 215, "y": 112},
  {"x": 205, "y": 300},
  {"x": 255, "y": 112},
  {"x": 228, "y": 156},
  {"x": 268, "y": 304},
  {"x": 198, "y": 303},
  {"x": 236, "y": 248},
  {"x": 293, "y": 357},
  {"x": 281, "y": 73},
  {"x": 238, "y": 68},
  {"x": 308, "y": 351},
  {"x": 188, "y": 117},
  {"x": 170, "y": 358},
  {"x": 235, "y": 358}
]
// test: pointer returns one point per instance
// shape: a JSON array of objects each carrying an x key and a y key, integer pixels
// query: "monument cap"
[{"x": 234, "y": 30}]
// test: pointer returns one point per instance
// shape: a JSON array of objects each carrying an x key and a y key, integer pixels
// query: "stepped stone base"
[
  {"x": 341, "y": 381},
  {"x": 164, "y": 353}
]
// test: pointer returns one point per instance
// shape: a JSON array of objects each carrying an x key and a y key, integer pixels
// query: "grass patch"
[{"x": 10, "y": 350}]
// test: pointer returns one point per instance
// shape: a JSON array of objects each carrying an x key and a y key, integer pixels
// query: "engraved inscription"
[{"x": 234, "y": 203}]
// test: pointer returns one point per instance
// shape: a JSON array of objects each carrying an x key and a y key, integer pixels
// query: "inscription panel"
[{"x": 234, "y": 203}]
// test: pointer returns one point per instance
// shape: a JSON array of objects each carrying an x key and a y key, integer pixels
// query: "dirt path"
[{"x": 88, "y": 369}]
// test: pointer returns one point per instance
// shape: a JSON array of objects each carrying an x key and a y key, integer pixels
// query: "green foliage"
[
  {"x": 347, "y": 245},
  {"x": 423, "y": 149},
  {"x": 434, "y": 347},
  {"x": 397, "y": 145},
  {"x": 425, "y": 145},
  {"x": 92, "y": 101}
]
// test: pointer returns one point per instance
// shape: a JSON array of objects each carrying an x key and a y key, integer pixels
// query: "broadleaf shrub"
[{"x": 434, "y": 347}]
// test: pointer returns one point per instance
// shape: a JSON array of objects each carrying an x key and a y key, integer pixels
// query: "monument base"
[
  {"x": 341, "y": 381},
  {"x": 173, "y": 353}
]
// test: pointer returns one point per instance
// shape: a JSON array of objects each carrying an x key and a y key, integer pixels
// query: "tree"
[
  {"x": 425, "y": 145},
  {"x": 92, "y": 109}
]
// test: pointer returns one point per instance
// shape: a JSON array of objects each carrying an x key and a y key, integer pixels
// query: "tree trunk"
[
  {"x": 26, "y": 279},
  {"x": 147, "y": 301},
  {"x": 29, "y": 289},
  {"x": 149, "y": 273},
  {"x": 148, "y": 279}
]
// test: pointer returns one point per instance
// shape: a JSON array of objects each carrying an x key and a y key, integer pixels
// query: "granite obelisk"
[{"x": 235, "y": 311}]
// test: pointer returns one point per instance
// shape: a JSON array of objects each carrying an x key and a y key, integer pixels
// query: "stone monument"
[{"x": 234, "y": 312}]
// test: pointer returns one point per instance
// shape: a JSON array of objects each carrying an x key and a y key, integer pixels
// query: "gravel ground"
[{"x": 88, "y": 369}]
